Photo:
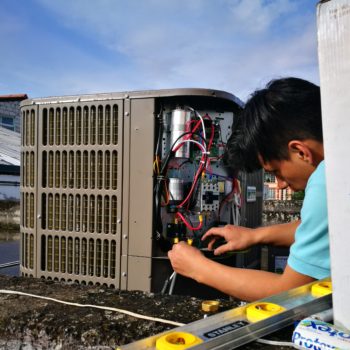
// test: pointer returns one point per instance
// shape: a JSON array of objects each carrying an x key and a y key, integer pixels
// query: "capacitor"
[
  {"x": 179, "y": 125},
  {"x": 176, "y": 190}
]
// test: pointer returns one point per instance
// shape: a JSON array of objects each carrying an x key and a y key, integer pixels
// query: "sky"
[{"x": 72, "y": 47}]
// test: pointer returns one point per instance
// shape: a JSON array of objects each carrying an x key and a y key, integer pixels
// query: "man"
[{"x": 280, "y": 129}]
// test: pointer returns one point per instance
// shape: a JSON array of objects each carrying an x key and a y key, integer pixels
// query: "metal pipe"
[
  {"x": 172, "y": 285},
  {"x": 9, "y": 264}
]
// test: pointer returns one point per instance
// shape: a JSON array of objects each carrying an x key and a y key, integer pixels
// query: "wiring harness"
[{"x": 199, "y": 133}]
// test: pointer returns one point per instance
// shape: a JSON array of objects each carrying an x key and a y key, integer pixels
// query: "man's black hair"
[{"x": 286, "y": 109}]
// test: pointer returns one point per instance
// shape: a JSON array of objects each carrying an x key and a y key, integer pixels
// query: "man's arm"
[
  {"x": 239, "y": 238},
  {"x": 244, "y": 284},
  {"x": 247, "y": 284},
  {"x": 279, "y": 235}
]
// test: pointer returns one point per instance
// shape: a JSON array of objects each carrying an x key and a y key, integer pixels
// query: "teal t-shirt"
[{"x": 309, "y": 254}]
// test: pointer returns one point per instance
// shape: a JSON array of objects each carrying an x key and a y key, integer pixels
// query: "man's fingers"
[
  {"x": 211, "y": 243},
  {"x": 222, "y": 249},
  {"x": 215, "y": 231}
]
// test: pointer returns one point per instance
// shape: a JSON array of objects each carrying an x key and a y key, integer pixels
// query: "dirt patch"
[{"x": 29, "y": 323}]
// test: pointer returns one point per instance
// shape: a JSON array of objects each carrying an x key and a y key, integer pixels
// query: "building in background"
[
  {"x": 10, "y": 147},
  {"x": 10, "y": 112},
  {"x": 10, "y": 143}
]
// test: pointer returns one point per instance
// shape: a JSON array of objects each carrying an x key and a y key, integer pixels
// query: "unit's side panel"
[
  {"x": 29, "y": 175},
  {"x": 126, "y": 195},
  {"x": 141, "y": 194},
  {"x": 251, "y": 211},
  {"x": 252, "y": 198},
  {"x": 79, "y": 192}
]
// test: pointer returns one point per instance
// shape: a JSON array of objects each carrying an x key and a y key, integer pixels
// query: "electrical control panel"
[{"x": 193, "y": 190}]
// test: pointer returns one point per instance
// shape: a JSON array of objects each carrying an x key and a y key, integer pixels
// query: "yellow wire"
[{"x": 156, "y": 165}]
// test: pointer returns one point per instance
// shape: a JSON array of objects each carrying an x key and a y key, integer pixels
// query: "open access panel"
[{"x": 110, "y": 181}]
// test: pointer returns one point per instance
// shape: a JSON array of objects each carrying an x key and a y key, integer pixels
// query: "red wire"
[
  {"x": 186, "y": 137},
  {"x": 203, "y": 165},
  {"x": 199, "y": 171},
  {"x": 239, "y": 192},
  {"x": 198, "y": 123},
  {"x": 188, "y": 225}
]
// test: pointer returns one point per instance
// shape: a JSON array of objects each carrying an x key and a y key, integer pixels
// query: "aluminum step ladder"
[{"x": 236, "y": 327}]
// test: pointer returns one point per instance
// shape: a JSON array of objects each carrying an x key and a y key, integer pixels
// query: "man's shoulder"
[{"x": 318, "y": 177}]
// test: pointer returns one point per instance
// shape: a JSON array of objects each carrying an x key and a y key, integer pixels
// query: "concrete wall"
[
  {"x": 9, "y": 188},
  {"x": 9, "y": 220},
  {"x": 276, "y": 212},
  {"x": 274, "y": 259}
]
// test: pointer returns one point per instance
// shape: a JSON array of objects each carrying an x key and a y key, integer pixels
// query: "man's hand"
[
  {"x": 245, "y": 284},
  {"x": 236, "y": 237},
  {"x": 186, "y": 260}
]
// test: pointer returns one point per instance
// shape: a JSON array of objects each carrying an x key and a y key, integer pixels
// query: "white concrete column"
[{"x": 334, "y": 62}]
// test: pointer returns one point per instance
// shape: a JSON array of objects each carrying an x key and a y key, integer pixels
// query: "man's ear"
[{"x": 301, "y": 150}]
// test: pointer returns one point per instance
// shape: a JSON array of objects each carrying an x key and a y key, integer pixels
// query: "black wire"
[
  {"x": 158, "y": 225},
  {"x": 160, "y": 129},
  {"x": 160, "y": 183},
  {"x": 192, "y": 202},
  {"x": 183, "y": 163},
  {"x": 171, "y": 152}
]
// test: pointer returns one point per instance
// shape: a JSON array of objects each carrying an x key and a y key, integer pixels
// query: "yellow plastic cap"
[
  {"x": 259, "y": 311},
  {"x": 177, "y": 341},
  {"x": 210, "y": 306},
  {"x": 320, "y": 289}
]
